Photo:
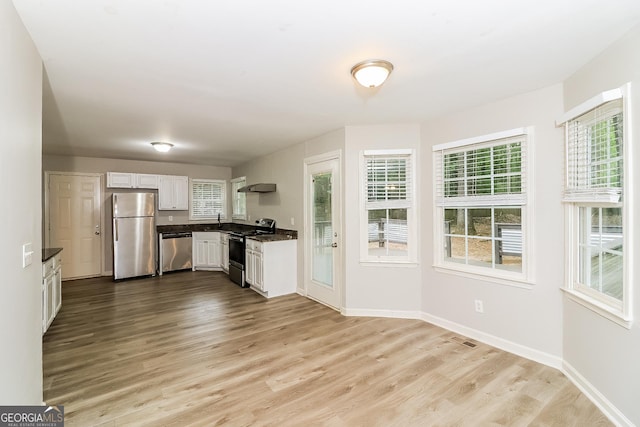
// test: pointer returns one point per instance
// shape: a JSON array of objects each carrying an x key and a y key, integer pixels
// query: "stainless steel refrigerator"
[{"x": 134, "y": 235}]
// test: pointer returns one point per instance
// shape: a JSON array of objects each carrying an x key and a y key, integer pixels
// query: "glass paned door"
[
  {"x": 322, "y": 262},
  {"x": 323, "y": 250}
]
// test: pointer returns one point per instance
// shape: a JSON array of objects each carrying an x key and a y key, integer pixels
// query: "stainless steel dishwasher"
[{"x": 175, "y": 251}]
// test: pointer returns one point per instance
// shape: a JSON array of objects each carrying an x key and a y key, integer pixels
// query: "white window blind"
[
  {"x": 594, "y": 155},
  {"x": 388, "y": 183},
  {"x": 492, "y": 173},
  {"x": 208, "y": 198}
]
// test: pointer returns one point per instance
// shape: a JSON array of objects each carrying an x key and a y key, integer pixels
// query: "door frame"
[
  {"x": 46, "y": 232},
  {"x": 308, "y": 231}
]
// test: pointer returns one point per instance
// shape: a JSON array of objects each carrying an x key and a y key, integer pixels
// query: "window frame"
[
  {"x": 214, "y": 215},
  {"x": 522, "y": 279},
  {"x": 618, "y": 311},
  {"x": 411, "y": 259},
  {"x": 235, "y": 197}
]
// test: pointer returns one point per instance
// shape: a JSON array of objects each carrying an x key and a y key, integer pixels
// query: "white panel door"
[
  {"x": 74, "y": 223},
  {"x": 323, "y": 226}
]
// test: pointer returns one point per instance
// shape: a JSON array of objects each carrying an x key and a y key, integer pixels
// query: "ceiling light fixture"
[
  {"x": 372, "y": 72},
  {"x": 162, "y": 147}
]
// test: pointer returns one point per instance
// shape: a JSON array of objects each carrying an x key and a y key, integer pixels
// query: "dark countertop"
[
  {"x": 48, "y": 253},
  {"x": 273, "y": 237},
  {"x": 224, "y": 227}
]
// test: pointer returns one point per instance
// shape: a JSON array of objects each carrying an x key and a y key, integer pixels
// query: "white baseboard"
[
  {"x": 607, "y": 408},
  {"x": 598, "y": 399},
  {"x": 506, "y": 345},
  {"x": 397, "y": 314},
  {"x": 511, "y": 347}
]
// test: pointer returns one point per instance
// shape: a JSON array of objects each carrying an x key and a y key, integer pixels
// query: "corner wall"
[{"x": 21, "y": 143}]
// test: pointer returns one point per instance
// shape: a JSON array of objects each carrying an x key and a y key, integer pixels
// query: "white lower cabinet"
[
  {"x": 271, "y": 267},
  {"x": 206, "y": 250},
  {"x": 224, "y": 252},
  {"x": 51, "y": 290}
]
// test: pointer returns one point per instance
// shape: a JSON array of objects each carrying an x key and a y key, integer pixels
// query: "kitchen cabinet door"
[
  {"x": 120, "y": 180},
  {"x": 272, "y": 267},
  {"x": 206, "y": 251},
  {"x": 224, "y": 252},
  {"x": 145, "y": 180},
  {"x": 173, "y": 193}
]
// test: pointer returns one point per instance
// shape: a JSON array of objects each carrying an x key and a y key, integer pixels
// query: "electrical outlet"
[
  {"x": 479, "y": 306},
  {"x": 170, "y": 217},
  {"x": 293, "y": 221}
]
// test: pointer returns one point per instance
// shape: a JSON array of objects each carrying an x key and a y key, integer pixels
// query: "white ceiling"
[{"x": 230, "y": 80}]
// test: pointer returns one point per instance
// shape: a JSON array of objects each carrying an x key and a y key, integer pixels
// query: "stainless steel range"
[{"x": 237, "y": 246}]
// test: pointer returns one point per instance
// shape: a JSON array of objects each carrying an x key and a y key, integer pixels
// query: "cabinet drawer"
[
  {"x": 51, "y": 265},
  {"x": 254, "y": 245},
  {"x": 48, "y": 267}
]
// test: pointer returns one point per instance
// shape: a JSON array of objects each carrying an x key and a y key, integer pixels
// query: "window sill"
[
  {"x": 599, "y": 307},
  {"x": 387, "y": 263},
  {"x": 506, "y": 280}
]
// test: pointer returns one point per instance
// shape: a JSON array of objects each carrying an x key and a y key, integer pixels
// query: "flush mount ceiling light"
[
  {"x": 372, "y": 72},
  {"x": 162, "y": 147}
]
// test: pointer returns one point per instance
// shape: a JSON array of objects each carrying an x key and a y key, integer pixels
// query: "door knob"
[
  {"x": 97, "y": 233},
  {"x": 334, "y": 245}
]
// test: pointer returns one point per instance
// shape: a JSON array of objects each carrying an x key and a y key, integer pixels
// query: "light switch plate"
[{"x": 27, "y": 255}]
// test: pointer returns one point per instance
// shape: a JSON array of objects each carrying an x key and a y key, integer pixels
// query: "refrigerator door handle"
[{"x": 115, "y": 223}]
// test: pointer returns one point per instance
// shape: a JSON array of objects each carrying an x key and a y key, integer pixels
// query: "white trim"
[
  {"x": 506, "y": 345},
  {"x": 482, "y": 274},
  {"x": 484, "y": 138},
  {"x": 393, "y": 314},
  {"x": 547, "y": 359},
  {"x": 622, "y": 313},
  {"x": 233, "y": 199},
  {"x": 389, "y": 152},
  {"x": 589, "y": 105},
  {"x": 339, "y": 282},
  {"x": 524, "y": 279},
  {"x": 411, "y": 206},
  {"x": 598, "y": 399},
  {"x": 601, "y": 308},
  {"x": 223, "y": 185},
  {"x": 501, "y": 343}
]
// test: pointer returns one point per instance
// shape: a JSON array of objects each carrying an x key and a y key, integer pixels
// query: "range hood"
[{"x": 258, "y": 188}]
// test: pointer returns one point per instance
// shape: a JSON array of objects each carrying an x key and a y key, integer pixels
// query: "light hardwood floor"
[{"x": 192, "y": 348}]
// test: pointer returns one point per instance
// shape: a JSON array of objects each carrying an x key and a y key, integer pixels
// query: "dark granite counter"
[
  {"x": 227, "y": 227},
  {"x": 48, "y": 253},
  {"x": 273, "y": 237}
]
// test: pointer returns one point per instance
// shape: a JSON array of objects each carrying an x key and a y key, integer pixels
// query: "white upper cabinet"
[
  {"x": 173, "y": 193},
  {"x": 121, "y": 180},
  {"x": 145, "y": 180},
  {"x": 132, "y": 180}
]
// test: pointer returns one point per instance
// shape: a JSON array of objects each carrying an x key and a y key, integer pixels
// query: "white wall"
[
  {"x": 384, "y": 290},
  {"x": 54, "y": 163},
  {"x": 526, "y": 321},
  {"x": 21, "y": 143},
  {"x": 606, "y": 354}
]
